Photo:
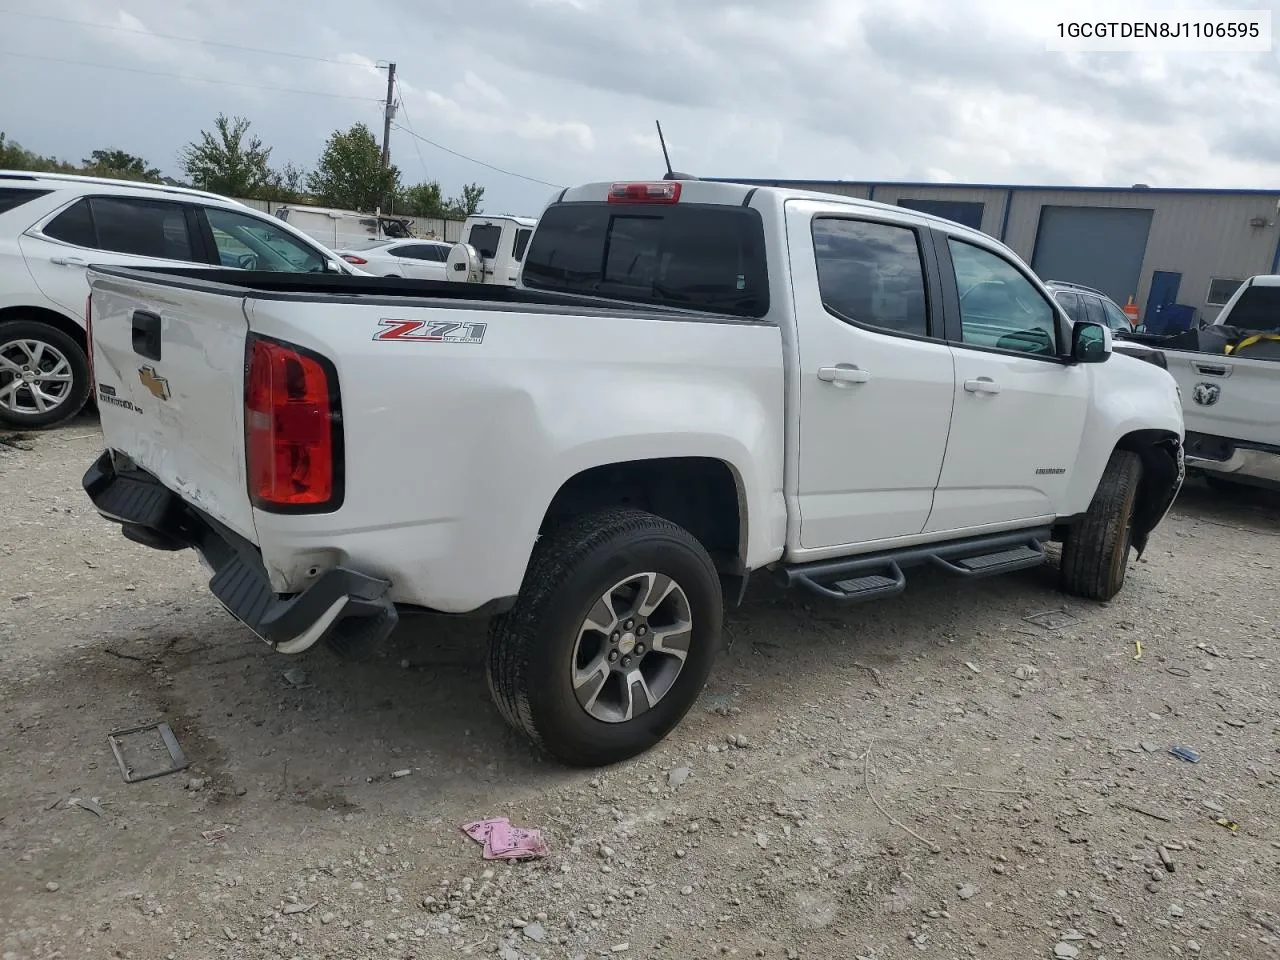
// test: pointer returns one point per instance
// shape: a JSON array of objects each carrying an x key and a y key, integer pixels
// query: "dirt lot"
[{"x": 932, "y": 775}]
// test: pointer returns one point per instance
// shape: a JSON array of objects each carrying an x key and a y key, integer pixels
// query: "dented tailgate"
[{"x": 168, "y": 363}]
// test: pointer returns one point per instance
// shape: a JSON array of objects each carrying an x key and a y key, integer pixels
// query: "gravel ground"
[{"x": 932, "y": 775}]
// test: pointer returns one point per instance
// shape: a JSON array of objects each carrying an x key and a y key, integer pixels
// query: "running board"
[{"x": 870, "y": 576}]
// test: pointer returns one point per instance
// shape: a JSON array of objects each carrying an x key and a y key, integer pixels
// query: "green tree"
[
  {"x": 118, "y": 163},
  {"x": 14, "y": 156},
  {"x": 421, "y": 200},
  {"x": 350, "y": 174},
  {"x": 226, "y": 161},
  {"x": 286, "y": 185},
  {"x": 459, "y": 208}
]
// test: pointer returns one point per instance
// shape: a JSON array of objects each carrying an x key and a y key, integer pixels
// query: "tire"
[
  {"x": 536, "y": 648},
  {"x": 56, "y": 354},
  {"x": 1096, "y": 552}
]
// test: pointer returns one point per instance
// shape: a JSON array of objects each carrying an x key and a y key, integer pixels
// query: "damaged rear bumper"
[
  {"x": 341, "y": 600},
  {"x": 1254, "y": 464}
]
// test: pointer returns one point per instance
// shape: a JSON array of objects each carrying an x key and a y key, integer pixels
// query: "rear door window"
[
  {"x": 1093, "y": 310},
  {"x": 697, "y": 256},
  {"x": 485, "y": 238},
  {"x": 144, "y": 228},
  {"x": 522, "y": 243}
]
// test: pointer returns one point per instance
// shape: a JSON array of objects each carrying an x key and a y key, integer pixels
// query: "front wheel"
[
  {"x": 1096, "y": 552},
  {"x": 44, "y": 375},
  {"x": 611, "y": 638}
]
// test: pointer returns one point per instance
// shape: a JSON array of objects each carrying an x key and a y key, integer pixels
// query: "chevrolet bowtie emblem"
[{"x": 158, "y": 386}]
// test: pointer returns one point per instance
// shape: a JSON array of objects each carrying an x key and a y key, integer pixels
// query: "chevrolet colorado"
[{"x": 692, "y": 382}]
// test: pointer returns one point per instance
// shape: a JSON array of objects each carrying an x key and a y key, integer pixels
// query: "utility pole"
[{"x": 388, "y": 114}]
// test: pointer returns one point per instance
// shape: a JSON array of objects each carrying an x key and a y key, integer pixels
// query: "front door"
[
  {"x": 1163, "y": 293},
  {"x": 876, "y": 383},
  {"x": 1020, "y": 408}
]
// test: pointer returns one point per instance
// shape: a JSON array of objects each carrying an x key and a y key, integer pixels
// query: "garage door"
[
  {"x": 1100, "y": 247},
  {"x": 970, "y": 214}
]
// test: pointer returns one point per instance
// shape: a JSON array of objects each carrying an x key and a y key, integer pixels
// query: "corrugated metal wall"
[
  {"x": 1201, "y": 235},
  {"x": 430, "y": 227}
]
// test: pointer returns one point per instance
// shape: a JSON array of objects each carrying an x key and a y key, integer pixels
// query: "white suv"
[{"x": 53, "y": 225}]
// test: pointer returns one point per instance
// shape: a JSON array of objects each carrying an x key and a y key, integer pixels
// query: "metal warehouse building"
[{"x": 1158, "y": 245}]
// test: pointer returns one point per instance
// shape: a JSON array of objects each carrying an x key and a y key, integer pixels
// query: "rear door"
[
  {"x": 118, "y": 231},
  {"x": 876, "y": 379},
  {"x": 169, "y": 363}
]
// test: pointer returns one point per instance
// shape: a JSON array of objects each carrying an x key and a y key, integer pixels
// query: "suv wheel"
[
  {"x": 44, "y": 375},
  {"x": 1096, "y": 552},
  {"x": 611, "y": 639}
]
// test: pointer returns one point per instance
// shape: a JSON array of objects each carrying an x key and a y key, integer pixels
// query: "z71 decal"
[{"x": 431, "y": 331}]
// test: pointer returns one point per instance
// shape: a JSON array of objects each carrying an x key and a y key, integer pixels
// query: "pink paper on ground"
[{"x": 502, "y": 841}]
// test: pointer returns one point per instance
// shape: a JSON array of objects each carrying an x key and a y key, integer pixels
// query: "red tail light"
[
  {"x": 88, "y": 342},
  {"x": 665, "y": 191},
  {"x": 352, "y": 258},
  {"x": 293, "y": 429}
]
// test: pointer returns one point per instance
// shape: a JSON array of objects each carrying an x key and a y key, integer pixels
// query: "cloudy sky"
[{"x": 566, "y": 91}]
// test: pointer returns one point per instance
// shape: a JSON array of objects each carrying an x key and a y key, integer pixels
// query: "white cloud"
[{"x": 567, "y": 90}]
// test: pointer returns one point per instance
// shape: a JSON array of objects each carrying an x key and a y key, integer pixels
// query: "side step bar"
[{"x": 873, "y": 575}]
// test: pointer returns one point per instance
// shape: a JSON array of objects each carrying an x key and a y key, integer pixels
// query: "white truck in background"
[
  {"x": 1228, "y": 374},
  {"x": 693, "y": 383},
  {"x": 491, "y": 250}
]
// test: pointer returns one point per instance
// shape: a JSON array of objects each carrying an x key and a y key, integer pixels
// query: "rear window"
[
  {"x": 13, "y": 197},
  {"x": 1257, "y": 309},
  {"x": 695, "y": 256},
  {"x": 522, "y": 244},
  {"x": 485, "y": 239}
]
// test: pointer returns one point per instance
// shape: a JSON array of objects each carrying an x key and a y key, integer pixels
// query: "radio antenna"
[{"x": 663, "y": 140}]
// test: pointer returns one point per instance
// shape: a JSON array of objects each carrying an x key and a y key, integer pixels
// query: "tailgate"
[
  {"x": 1229, "y": 396},
  {"x": 169, "y": 362}
]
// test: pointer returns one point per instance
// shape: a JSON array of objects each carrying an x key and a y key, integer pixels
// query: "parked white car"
[
  {"x": 692, "y": 383},
  {"x": 53, "y": 225},
  {"x": 414, "y": 259}
]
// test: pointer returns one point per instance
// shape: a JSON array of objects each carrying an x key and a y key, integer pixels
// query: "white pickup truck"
[
  {"x": 694, "y": 382},
  {"x": 1229, "y": 376}
]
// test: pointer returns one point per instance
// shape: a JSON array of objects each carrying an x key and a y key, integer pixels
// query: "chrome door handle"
[
  {"x": 982, "y": 385},
  {"x": 69, "y": 261},
  {"x": 843, "y": 374}
]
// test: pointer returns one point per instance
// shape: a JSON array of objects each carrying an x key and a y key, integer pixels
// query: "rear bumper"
[
  {"x": 1252, "y": 463},
  {"x": 151, "y": 514}
]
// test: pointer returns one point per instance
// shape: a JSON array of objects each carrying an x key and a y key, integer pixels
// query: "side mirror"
[
  {"x": 1090, "y": 343},
  {"x": 332, "y": 266}
]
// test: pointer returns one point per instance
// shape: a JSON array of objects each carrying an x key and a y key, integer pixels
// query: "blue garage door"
[
  {"x": 1100, "y": 247},
  {"x": 970, "y": 214}
]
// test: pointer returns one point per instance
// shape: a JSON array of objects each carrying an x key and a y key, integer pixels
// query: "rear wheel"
[
  {"x": 44, "y": 375},
  {"x": 611, "y": 639},
  {"x": 1096, "y": 553}
]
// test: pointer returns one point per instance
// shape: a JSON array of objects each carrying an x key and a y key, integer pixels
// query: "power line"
[
  {"x": 178, "y": 76},
  {"x": 417, "y": 148},
  {"x": 463, "y": 156},
  {"x": 166, "y": 36}
]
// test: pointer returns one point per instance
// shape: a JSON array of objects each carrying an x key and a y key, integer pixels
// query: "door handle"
[
  {"x": 843, "y": 374},
  {"x": 146, "y": 334},
  {"x": 1212, "y": 369},
  {"x": 69, "y": 261},
  {"x": 982, "y": 385}
]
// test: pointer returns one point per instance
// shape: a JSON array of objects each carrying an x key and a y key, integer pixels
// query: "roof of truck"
[{"x": 736, "y": 193}]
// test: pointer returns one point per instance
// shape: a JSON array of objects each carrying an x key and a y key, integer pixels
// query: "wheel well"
[
  {"x": 1159, "y": 452},
  {"x": 54, "y": 319},
  {"x": 699, "y": 493}
]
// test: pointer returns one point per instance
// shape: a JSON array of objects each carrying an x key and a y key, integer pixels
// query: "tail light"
[
  {"x": 88, "y": 342},
  {"x": 293, "y": 429},
  {"x": 666, "y": 191},
  {"x": 352, "y": 258}
]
